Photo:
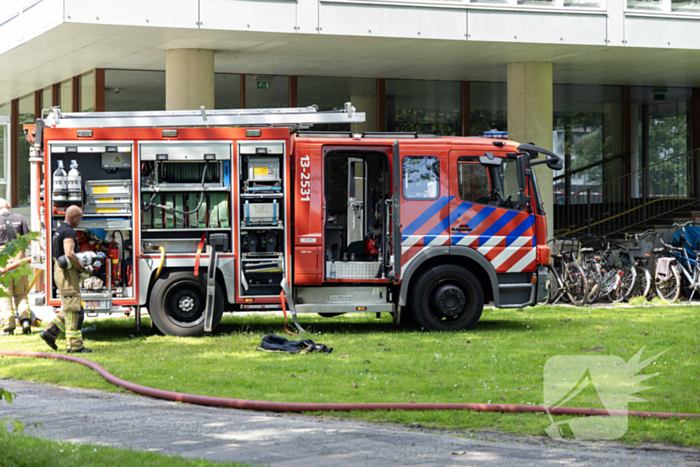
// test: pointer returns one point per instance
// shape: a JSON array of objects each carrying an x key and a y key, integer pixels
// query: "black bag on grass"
[{"x": 274, "y": 343}]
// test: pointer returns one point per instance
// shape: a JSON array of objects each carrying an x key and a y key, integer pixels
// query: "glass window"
[
  {"x": 266, "y": 92},
  {"x": 133, "y": 90},
  {"x": 333, "y": 93},
  {"x": 66, "y": 96},
  {"x": 685, "y": 5},
  {"x": 428, "y": 107},
  {"x": 227, "y": 91},
  {"x": 26, "y": 115},
  {"x": 87, "y": 92},
  {"x": 644, "y": 4},
  {"x": 489, "y": 107},
  {"x": 474, "y": 183},
  {"x": 47, "y": 98},
  {"x": 497, "y": 186},
  {"x": 587, "y": 130},
  {"x": 421, "y": 177},
  {"x": 508, "y": 173},
  {"x": 668, "y": 120}
]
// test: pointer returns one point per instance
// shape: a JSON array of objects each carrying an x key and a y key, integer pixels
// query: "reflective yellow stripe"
[{"x": 58, "y": 324}]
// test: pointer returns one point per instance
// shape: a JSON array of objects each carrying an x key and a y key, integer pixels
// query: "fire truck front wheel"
[
  {"x": 177, "y": 304},
  {"x": 446, "y": 298}
]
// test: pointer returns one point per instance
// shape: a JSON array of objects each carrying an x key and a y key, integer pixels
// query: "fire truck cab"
[{"x": 205, "y": 212}]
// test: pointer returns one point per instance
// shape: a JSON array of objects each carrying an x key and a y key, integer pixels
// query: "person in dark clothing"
[
  {"x": 65, "y": 242},
  {"x": 12, "y": 225}
]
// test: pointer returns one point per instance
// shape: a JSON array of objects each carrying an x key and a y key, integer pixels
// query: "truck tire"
[
  {"x": 177, "y": 302},
  {"x": 446, "y": 298}
]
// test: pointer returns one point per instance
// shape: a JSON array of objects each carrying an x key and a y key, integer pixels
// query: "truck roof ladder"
[{"x": 295, "y": 117}]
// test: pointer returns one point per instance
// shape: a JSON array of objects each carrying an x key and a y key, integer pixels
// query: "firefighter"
[
  {"x": 10, "y": 226},
  {"x": 69, "y": 320}
]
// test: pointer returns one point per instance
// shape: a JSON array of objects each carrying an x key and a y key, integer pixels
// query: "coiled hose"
[{"x": 270, "y": 406}]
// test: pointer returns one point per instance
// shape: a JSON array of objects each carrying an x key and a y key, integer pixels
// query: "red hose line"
[
  {"x": 12, "y": 266},
  {"x": 269, "y": 406}
]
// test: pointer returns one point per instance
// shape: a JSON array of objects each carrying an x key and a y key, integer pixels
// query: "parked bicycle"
[
  {"x": 639, "y": 254},
  {"x": 619, "y": 274},
  {"x": 589, "y": 260},
  {"x": 676, "y": 265},
  {"x": 569, "y": 277}
]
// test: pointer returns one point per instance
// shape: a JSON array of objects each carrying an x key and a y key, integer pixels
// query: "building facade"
[{"x": 612, "y": 85}]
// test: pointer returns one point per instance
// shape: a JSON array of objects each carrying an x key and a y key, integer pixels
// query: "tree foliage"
[{"x": 10, "y": 251}]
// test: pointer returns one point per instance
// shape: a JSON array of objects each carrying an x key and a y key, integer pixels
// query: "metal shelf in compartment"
[
  {"x": 193, "y": 229},
  {"x": 261, "y": 195},
  {"x": 104, "y": 224},
  {"x": 179, "y": 188},
  {"x": 262, "y": 227}
]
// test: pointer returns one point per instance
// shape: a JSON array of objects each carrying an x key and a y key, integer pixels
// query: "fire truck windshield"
[{"x": 503, "y": 186}]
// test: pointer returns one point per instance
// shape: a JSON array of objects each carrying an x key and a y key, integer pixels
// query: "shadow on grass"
[{"x": 111, "y": 330}]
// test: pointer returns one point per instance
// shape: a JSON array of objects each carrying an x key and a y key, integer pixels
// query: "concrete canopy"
[{"x": 69, "y": 49}]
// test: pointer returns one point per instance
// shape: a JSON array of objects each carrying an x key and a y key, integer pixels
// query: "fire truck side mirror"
[
  {"x": 520, "y": 165},
  {"x": 555, "y": 163}
]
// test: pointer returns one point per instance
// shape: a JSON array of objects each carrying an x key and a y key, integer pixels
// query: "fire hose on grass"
[{"x": 270, "y": 406}]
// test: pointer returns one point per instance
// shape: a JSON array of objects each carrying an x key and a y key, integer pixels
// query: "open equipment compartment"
[
  {"x": 185, "y": 192},
  {"x": 357, "y": 187},
  {"x": 104, "y": 191},
  {"x": 262, "y": 217}
]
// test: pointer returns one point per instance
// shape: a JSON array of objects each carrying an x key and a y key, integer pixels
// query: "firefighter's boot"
[
  {"x": 49, "y": 335},
  {"x": 26, "y": 326},
  {"x": 83, "y": 350}
]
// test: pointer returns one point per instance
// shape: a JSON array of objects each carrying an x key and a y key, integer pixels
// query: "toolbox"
[
  {"x": 263, "y": 169},
  {"x": 108, "y": 187},
  {"x": 107, "y": 208},
  {"x": 261, "y": 213},
  {"x": 108, "y": 198}
]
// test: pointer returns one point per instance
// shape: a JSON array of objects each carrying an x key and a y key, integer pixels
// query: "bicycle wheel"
[
  {"x": 594, "y": 280},
  {"x": 668, "y": 289},
  {"x": 557, "y": 289},
  {"x": 575, "y": 284},
  {"x": 643, "y": 282},
  {"x": 624, "y": 289},
  {"x": 611, "y": 281}
]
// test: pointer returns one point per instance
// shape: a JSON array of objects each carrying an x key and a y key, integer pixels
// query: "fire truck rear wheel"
[
  {"x": 177, "y": 304},
  {"x": 446, "y": 298}
]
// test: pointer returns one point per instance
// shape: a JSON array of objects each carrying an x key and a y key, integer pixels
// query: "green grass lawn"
[
  {"x": 27, "y": 451},
  {"x": 501, "y": 361}
]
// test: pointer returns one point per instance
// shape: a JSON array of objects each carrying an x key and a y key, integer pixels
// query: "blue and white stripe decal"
[{"x": 420, "y": 221}]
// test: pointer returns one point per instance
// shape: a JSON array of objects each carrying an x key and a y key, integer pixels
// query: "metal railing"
[{"x": 633, "y": 199}]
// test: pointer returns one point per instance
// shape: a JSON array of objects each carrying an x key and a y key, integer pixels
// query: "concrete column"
[
  {"x": 189, "y": 79},
  {"x": 366, "y": 103},
  {"x": 612, "y": 146},
  {"x": 634, "y": 148},
  {"x": 530, "y": 119}
]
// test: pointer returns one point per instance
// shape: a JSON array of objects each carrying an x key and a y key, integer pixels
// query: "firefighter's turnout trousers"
[
  {"x": 68, "y": 320},
  {"x": 17, "y": 293}
]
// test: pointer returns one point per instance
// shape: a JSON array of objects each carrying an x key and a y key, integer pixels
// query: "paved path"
[{"x": 260, "y": 438}]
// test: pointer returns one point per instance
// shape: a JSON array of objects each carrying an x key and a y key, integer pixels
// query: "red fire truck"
[{"x": 206, "y": 212}]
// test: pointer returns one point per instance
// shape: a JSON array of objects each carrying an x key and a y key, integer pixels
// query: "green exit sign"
[{"x": 263, "y": 85}]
